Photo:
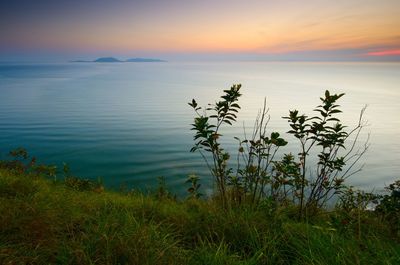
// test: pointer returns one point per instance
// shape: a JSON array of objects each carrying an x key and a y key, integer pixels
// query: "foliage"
[
  {"x": 324, "y": 131},
  {"x": 162, "y": 191},
  {"x": 389, "y": 206},
  {"x": 194, "y": 189},
  {"x": 45, "y": 222},
  {"x": 207, "y": 134},
  {"x": 257, "y": 155},
  {"x": 355, "y": 207},
  {"x": 291, "y": 179},
  {"x": 351, "y": 199},
  {"x": 21, "y": 162},
  {"x": 81, "y": 184}
]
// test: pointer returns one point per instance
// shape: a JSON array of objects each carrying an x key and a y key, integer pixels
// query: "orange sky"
[{"x": 227, "y": 26}]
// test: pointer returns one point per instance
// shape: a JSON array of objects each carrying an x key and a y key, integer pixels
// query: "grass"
[{"x": 47, "y": 222}]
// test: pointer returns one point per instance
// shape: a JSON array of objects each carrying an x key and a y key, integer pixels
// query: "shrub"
[
  {"x": 326, "y": 133},
  {"x": 389, "y": 207},
  {"x": 260, "y": 174},
  {"x": 21, "y": 162}
]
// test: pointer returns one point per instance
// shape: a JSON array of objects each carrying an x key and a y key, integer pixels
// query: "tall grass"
[{"x": 47, "y": 222}]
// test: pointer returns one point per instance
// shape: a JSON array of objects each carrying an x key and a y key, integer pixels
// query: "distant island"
[
  {"x": 144, "y": 60},
  {"x": 115, "y": 60},
  {"x": 107, "y": 60}
]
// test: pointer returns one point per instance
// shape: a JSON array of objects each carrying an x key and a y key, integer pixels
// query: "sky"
[{"x": 337, "y": 30}]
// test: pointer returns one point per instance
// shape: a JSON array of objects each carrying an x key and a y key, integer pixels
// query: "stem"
[{"x": 302, "y": 180}]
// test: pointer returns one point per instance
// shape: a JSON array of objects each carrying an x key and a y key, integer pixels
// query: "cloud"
[{"x": 385, "y": 53}]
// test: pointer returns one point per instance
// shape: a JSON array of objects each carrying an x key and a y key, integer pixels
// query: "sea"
[{"x": 128, "y": 124}]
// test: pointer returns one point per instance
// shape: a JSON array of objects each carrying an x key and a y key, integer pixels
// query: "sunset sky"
[{"x": 207, "y": 29}]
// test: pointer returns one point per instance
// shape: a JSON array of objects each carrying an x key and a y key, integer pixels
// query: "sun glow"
[{"x": 225, "y": 26}]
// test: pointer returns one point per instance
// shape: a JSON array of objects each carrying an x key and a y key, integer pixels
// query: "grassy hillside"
[
  {"x": 47, "y": 222},
  {"x": 271, "y": 211}
]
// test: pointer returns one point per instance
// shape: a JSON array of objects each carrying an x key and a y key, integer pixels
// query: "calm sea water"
[{"x": 129, "y": 123}]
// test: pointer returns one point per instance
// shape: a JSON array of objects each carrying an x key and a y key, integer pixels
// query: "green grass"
[{"x": 43, "y": 222}]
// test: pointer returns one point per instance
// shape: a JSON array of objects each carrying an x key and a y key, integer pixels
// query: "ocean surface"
[{"x": 129, "y": 123}]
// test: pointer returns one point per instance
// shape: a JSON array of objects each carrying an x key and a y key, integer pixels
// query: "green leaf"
[{"x": 227, "y": 121}]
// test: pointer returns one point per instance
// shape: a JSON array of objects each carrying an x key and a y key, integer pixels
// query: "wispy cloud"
[
  {"x": 385, "y": 53},
  {"x": 368, "y": 28}
]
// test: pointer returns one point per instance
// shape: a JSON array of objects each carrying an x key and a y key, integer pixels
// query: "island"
[
  {"x": 144, "y": 60},
  {"x": 115, "y": 60},
  {"x": 107, "y": 60}
]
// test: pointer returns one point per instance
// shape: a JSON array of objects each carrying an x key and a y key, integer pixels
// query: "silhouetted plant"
[
  {"x": 389, "y": 206},
  {"x": 19, "y": 153},
  {"x": 207, "y": 134},
  {"x": 325, "y": 131},
  {"x": 290, "y": 179},
  {"x": 353, "y": 207},
  {"x": 162, "y": 191},
  {"x": 21, "y": 162},
  {"x": 66, "y": 170},
  {"x": 258, "y": 157},
  {"x": 286, "y": 181},
  {"x": 351, "y": 199},
  {"x": 46, "y": 170},
  {"x": 255, "y": 157},
  {"x": 194, "y": 189}
]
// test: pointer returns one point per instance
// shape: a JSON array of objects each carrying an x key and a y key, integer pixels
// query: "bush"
[
  {"x": 389, "y": 207},
  {"x": 259, "y": 174}
]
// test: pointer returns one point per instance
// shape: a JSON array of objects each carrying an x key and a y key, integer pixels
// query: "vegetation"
[
  {"x": 259, "y": 174},
  {"x": 266, "y": 211},
  {"x": 44, "y": 221}
]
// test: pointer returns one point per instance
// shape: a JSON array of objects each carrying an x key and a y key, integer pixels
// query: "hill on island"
[
  {"x": 144, "y": 60},
  {"x": 115, "y": 60}
]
